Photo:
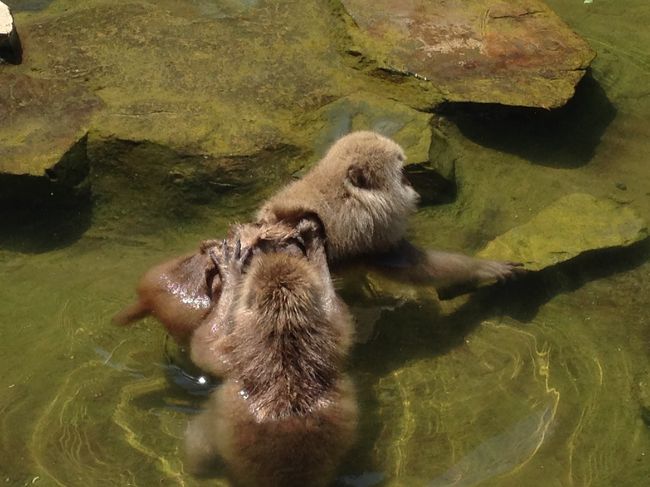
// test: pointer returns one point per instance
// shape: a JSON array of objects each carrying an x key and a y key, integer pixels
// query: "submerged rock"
[
  {"x": 480, "y": 411},
  {"x": 10, "y": 48},
  {"x": 43, "y": 128},
  {"x": 574, "y": 224},
  {"x": 363, "y": 111},
  {"x": 489, "y": 51},
  {"x": 429, "y": 164}
]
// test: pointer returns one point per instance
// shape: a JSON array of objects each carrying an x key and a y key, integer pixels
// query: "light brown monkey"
[
  {"x": 205, "y": 342},
  {"x": 361, "y": 195},
  {"x": 181, "y": 292},
  {"x": 286, "y": 413},
  {"x": 178, "y": 293}
]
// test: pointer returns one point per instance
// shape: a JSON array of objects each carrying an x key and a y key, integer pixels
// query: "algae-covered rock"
[
  {"x": 40, "y": 121},
  {"x": 491, "y": 51},
  {"x": 574, "y": 224},
  {"x": 480, "y": 411},
  {"x": 363, "y": 111}
]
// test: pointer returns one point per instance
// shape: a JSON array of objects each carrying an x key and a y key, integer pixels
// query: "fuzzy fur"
[
  {"x": 359, "y": 193},
  {"x": 286, "y": 413}
]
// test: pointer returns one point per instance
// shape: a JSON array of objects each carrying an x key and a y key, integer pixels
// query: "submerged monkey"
[
  {"x": 361, "y": 195},
  {"x": 286, "y": 413},
  {"x": 180, "y": 292}
]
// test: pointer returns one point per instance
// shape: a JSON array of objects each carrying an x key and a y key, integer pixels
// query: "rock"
[
  {"x": 363, "y": 111},
  {"x": 479, "y": 411},
  {"x": 41, "y": 120},
  {"x": 10, "y": 48},
  {"x": 574, "y": 224},
  {"x": 489, "y": 51}
]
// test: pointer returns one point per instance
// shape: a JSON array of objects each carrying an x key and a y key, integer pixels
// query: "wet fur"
[
  {"x": 181, "y": 292},
  {"x": 286, "y": 413},
  {"x": 358, "y": 192}
]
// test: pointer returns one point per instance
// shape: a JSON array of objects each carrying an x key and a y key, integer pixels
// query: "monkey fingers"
[{"x": 501, "y": 271}]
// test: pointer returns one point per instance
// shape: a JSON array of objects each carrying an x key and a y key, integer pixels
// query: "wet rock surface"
[
  {"x": 571, "y": 226},
  {"x": 244, "y": 78},
  {"x": 41, "y": 120},
  {"x": 489, "y": 51}
]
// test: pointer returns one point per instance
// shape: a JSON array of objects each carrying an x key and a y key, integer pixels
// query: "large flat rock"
[
  {"x": 514, "y": 52},
  {"x": 207, "y": 80},
  {"x": 480, "y": 411},
  {"x": 574, "y": 224},
  {"x": 364, "y": 111},
  {"x": 40, "y": 121}
]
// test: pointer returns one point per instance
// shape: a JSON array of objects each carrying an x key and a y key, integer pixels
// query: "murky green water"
[{"x": 536, "y": 384}]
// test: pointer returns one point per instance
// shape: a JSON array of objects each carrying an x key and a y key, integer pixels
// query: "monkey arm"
[
  {"x": 208, "y": 346},
  {"x": 443, "y": 269}
]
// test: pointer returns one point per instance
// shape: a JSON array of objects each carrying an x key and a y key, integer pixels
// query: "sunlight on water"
[{"x": 542, "y": 384}]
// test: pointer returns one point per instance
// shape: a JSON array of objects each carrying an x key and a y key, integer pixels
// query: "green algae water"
[{"x": 544, "y": 382}]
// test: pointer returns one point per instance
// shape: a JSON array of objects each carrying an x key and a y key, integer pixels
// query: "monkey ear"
[
  {"x": 310, "y": 227},
  {"x": 358, "y": 177}
]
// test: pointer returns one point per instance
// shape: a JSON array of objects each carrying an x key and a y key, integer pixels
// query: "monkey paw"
[
  {"x": 230, "y": 261},
  {"x": 492, "y": 270}
]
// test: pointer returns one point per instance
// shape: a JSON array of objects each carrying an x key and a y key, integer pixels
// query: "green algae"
[
  {"x": 540, "y": 386},
  {"x": 574, "y": 224}
]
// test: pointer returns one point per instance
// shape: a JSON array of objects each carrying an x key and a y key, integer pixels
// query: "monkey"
[
  {"x": 361, "y": 194},
  {"x": 204, "y": 344},
  {"x": 178, "y": 292},
  {"x": 286, "y": 412},
  {"x": 181, "y": 292}
]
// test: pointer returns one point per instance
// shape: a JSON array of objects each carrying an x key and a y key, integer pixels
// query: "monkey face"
[{"x": 380, "y": 169}]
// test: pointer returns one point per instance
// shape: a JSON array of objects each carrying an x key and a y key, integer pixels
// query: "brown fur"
[
  {"x": 359, "y": 192},
  {"x": 286, "y": 413},
  {"x": 178, "y": 293},
  {"x": 206, "y": 343},
  {"x": 181, "y": 292}
]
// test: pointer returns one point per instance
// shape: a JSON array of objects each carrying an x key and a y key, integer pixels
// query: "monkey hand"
[
  {"x": 492, "y": 270},
  {"x": 230, "y": 261}
]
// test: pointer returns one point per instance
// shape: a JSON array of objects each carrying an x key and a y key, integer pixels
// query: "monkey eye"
[{"x": 405, "y": 180}]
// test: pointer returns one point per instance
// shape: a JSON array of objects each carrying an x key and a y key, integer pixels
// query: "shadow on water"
[
  {"x": 53, "y": 218},
  {"x": 419, "y": 330},
  {"x": 406, "y": 333},
  {"x": 565, "y": 137},
  {"x": 522, "y": 299}
]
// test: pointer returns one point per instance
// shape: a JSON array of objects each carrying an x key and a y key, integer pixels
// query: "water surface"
[{"x": 535, "y": 385}]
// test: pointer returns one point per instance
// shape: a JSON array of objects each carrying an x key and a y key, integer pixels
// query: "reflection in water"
[{"x": 499, "y": 454}]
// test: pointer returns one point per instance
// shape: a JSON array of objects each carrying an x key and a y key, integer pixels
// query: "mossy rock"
[
  {"x": 488, "y": 51},
  {"x": 571, "y": 226}
]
